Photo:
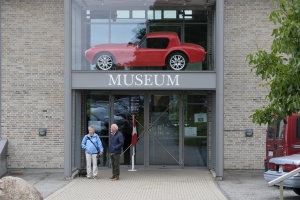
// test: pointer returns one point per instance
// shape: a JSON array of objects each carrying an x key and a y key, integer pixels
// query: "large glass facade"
[
  {"x": 108, "y": 35},
  {"x": 171, "y": 125},
  {"x": 142, "y": 36}
]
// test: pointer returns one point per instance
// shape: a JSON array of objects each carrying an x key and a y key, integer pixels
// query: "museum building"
[{"x": 177, "y": 66}]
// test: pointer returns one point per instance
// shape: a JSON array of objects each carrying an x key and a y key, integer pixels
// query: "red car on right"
[{"x": 283, "y": 151}]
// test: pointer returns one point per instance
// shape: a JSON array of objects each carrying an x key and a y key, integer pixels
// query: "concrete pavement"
[
  {"x": 161, "y": 184},
  {"x": 146, "y": 184},
  {"x": 250, "y": 185}
]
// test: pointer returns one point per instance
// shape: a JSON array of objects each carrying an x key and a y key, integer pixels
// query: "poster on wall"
[
  {"x": 200, "y": 117},
  {"x": 190, "y": 131}
]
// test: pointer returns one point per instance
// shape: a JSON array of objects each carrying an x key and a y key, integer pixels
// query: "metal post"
[
  {"x": 132, "y": 160},
  {"x": 281, "y": 190}
]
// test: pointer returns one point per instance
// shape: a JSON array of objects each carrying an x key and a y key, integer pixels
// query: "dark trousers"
[{"x": 115, "y": 163}]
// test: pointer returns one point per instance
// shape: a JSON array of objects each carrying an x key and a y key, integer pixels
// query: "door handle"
[{"x": 275, "y": 146}]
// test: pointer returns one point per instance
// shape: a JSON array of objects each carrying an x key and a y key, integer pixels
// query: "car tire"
[
  {"x": 104, "y": 61},
  {"x": 177, "y": 61},
  {"x": 297, "y": 191}
]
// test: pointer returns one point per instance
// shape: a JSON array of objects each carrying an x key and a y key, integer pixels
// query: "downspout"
[
  {"x": 67, "y": 88},
  {"x": 219, "y": 88}
]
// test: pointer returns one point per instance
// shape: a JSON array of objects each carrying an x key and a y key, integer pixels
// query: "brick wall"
[
  {"x": 246, "y": 29},
  {"x": 32, "y": 82}
]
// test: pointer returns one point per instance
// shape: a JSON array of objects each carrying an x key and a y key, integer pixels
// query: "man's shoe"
[
  {"x": 89, "y": 177},
  {"x": 95, "y": 177},
  {"x": 112, "y": 177},
  {"x": 115, "y": 179}
]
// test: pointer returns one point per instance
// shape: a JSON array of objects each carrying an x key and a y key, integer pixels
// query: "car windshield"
[{"x": 142, "y": 42}]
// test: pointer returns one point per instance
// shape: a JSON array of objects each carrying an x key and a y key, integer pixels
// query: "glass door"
[
  {"x": 195, "y": 129},
  {"x": 97, "y": 115},
  {"x": 163, "y": 132},
  {"x": 125, "y": 106}
]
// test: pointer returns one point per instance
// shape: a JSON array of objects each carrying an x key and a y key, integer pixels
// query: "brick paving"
[{"x": 159, "y": 184}]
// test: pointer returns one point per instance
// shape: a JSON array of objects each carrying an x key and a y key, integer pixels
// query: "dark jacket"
[{"x": 116, "y": 143}]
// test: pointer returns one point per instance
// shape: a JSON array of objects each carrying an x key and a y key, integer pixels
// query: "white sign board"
[
  {"x": 190, "y": 131},
  {"x": 200, "y": 117}
]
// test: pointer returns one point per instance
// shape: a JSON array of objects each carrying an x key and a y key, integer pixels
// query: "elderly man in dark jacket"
[{"x": 115, "y": 148}]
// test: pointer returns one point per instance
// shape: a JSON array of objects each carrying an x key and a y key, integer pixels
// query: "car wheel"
[
  {"x": 177, "y": 61},
  {"x": 104, "y": 61},
  {"x": 296, "y": 190}
]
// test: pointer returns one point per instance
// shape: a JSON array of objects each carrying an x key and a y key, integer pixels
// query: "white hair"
[{"x": 115, "y": 126}]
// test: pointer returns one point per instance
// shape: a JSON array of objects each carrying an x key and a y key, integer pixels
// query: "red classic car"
[{"x": 154, "y": 49}]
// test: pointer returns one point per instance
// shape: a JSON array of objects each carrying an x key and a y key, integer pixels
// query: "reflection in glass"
[
  {"x": 99, "y": 34},
  {"x": 195, "y": 152},
  {"x": 138, "y": 14},
  {"x": 154, "y": 14},
  {"x": 195, "y": 129},
  {"x": 170, "y": 14},
  {"x": 129, "y": 33},
  {"x": 125, "y": 106},
  {"x": 93, "y": 24},
  {"x": 164, "y": 130},
  {"x": 121, "y": 14},
  {"x": 187, "y": 12},
  {"x": 97, "y": 111}
]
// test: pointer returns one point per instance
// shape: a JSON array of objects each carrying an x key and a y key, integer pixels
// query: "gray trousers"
[{"x": 115, "y": 163}]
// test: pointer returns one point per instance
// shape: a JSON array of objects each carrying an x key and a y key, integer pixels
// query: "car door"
[
  {"x": 270, "y": 141},
  {"x": 275, "y": 139},
  {"x": 155, "y": 51},
  {"x": 279, "y": 139},
  {"x": 293, "y": 135}
]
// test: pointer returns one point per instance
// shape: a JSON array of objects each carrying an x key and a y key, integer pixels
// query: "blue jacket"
[
  {"x": 88, "y": 146},
  {"x": 116, "y": 142}
]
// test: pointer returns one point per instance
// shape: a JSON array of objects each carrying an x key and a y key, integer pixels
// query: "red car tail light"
[{"x": 272, "y": 166}]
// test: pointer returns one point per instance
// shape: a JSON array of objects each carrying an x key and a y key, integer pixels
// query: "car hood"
[
  {"x": 292, "y": 160},
  {"x": 115, "y": 46}
]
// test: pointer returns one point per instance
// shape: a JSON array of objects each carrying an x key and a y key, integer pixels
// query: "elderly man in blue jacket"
[{"x": 115, "y": 148}]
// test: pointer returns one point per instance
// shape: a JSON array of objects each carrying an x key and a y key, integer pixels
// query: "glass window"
[
  {"x": 280, "y": 130},
  {"x": 188, "y": 14},
  {"x": 121, "y": 14},
  {"x": 270, "y": 131},
  {"x": 125, "y": 34},
  {"x": 298, "y": 128},
  {"x": 195, "y": 129},
  {"x": 99, "y": 34},
  {"x": 170, "y": 14},
  {"x": 98, "y": 25},
  {"x": 157, "y": 43},
  {"x": 138, "y": 14},
  {"x": 97, "y": 114},
  {"x": 154, "y": 14}
]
